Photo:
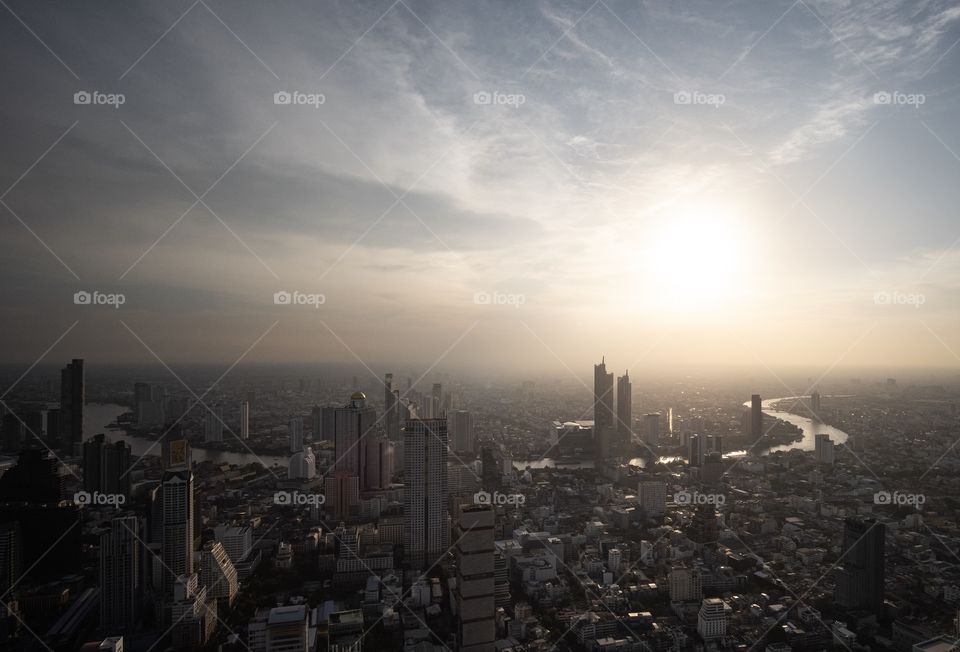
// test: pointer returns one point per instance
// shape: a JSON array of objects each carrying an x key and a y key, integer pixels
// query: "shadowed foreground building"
[
  {"x": 426, "y": 537},
  {"x": 476, "y": 592},
  {"x": 860, "y": 576}
]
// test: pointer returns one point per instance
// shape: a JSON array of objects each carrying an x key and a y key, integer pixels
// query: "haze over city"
[{"x": 696, "y": 184}]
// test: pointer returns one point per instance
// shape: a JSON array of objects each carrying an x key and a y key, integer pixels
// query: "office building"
[
  {"x": 245, "y": 420},
  {"x": 105, "y": 466},
  {"x": 295, "y": 434},
  {"x": 213, "y": 424},
  {"x": 121, "y": 581},
  {"x": 756, "y": 418},
  {"x": 696, "y": 453},
  {"x": 475, "y": 594},
  {"x": 287, "y": 629},
  {"x": 624, "y": 410},
  {"x": 352, "y": 423},
  {"x": 426, "y": 534},
  {"x": 651, "y": 429},
  {"x": 461, "y": 431},
  {"x": 860, "y": 575},
  {"x": 71, "y": 406},
  {"x": 378, "y": 462},
  {"x": 603, "y": 414},
  {"x": 342, "y": 495},
  {"x": 712, "y": 619}
]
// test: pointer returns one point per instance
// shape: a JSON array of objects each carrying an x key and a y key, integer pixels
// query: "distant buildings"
[
  {"x": 624, "y": 411},
  {"x": 213, "y": 424},
  {"x": 148, "y": 407},
  {"x": 756, "y": 418},
  {"x": 245, "y": 420},
  {"x": 352, "y": 423},
  {"x": 603, "y": 414},
  {"x": 426, "y": 533}
]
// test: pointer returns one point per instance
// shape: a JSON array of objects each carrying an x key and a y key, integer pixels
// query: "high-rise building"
[
  {"x": 712, "y": 619},
  {"x": 824, "y": 449},
  {"x": 475, "y": 595},
  {"x": 121, "y": 581},
  {"x": 218, "y": 574},
  {"x": 653, "y": 497},
  {"x": 461, "y": 431},
  {"x": 625, "y": 409},
  {"x": 328, "y": 421},
  {"x": 71, "y": 406},
  {"x": 860, "y": 575},
  {"x": 491, "y": 468},
  {"x": 696, "y": 452},
  {"x": 105, "y": 466},
  {"x": 342, "y": 495},
  {"x": 651, "y": 429},
  {"x": 501, "y": 580},
  {"x": 815, "y": 404},
  {"x": 436, "y": 404},
  {"x": 756, "y": 418},
  {"x": 391, "y": 401},
  {"x": 352, "y": 423},
  {"x": 603, "y": 415},
  {"x": 148, "y": 404},
  {"x": 213, "y": 424},
  {"x": 295, "y": 434},
  {"x": 712, "y": 471},
  {"x": 176, "y": 488},
  {"x": 302, "y": 465},
  {"x": 426, "y": 535},
  {"x": 245, "y": 420},
  {"x": 686, "y": 584},
  {"x": 316, "y": 423},
  {"x": 378, "y": 462}
]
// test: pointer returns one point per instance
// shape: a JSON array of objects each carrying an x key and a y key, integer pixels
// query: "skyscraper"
[
  {"x": 245, "y": 420},
  {"x": 391, "y": 415},
  {"x": 696, "y": 454},
  {"x": 295, "y": 434},
  {"x": 651, "y": 429},
  {"x": 624, "y": 409},
  {"x": 756, "y": 418},
  {"x": 213, "y": 424},
  {"x": 860, "y": 576},
  {"x": 475, "y": 596},
  {"x": 461, "y": 431},
  {"x": 603, "y": 415},
  {"x": 177, "y": 509},
  {"x": 352, "y": 423},
  {"x": 120, "y": 574},
  {"x": 218, "y": 574},
  {"x": 71, "y": 406},
  {"x": 815, "y": 404},
  {"x": 436, "y": 405},
  {"x": 426, "y": 536},
  {"x": 105, "y": 466},
  {"x": 824, "y": 449},
  {"x": 377, "y": 467}
]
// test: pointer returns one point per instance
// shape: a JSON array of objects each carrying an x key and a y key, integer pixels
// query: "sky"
[{"x": 517, "y": 185}]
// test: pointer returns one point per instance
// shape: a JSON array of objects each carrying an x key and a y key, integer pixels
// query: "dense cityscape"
[{"x": 294, "y": 513}]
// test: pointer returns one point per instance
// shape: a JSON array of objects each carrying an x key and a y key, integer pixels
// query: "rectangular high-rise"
[
  {"x": 71, "y": 406},
  {"x": 861, "y": 571},
  {"x": 352, "y": 424},
  {"x": 476, "y": 593},
  {"x": 461, "y": 431},
  {"x": 603, "y": 415},
  {"x": 245, "y": 420},
  {"x": 391, "y": 417},
  {"x": 120, "y": 574},
  {"x": 295, "y": 434},
  {"x": 176, "y": 488},
  {"x": 105, "y": 466},
  {"x": 756, "y": 418},
  {"x": 624, "y": 409},
  {"x": 425, "y": 534}
]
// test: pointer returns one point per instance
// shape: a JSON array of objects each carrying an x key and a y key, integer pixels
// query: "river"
[{"x": 97, "y": 416}]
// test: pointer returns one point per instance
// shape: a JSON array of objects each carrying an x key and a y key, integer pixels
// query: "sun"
[{"x": 695, "y": 257}]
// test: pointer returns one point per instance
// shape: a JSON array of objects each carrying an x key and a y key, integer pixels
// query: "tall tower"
[
  {"x": 245, "y": 420},
  {"x": 105, "y": 466},
  {"x": 624, "y": 409},
  {"x": 120, "y": 577},
  {"x": 352, "y": 423},
  {"x": 425, "y": 534},
  {"x": 603, "y": 415},
  {"x": 860, "y": 577},
  {"x": 391, "y": 417},
  {"x": 295, "y": 434},
  {"x": 436, "y": 405},
  {"x": 176, "y": 488},
  {"x": 71, "y": 406},
  {"x": 475, "y": 597},
  {"x": 461, "y": 430},
  {"x": 756, "y": 418},
  {"x": 213, "y": 424}
]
